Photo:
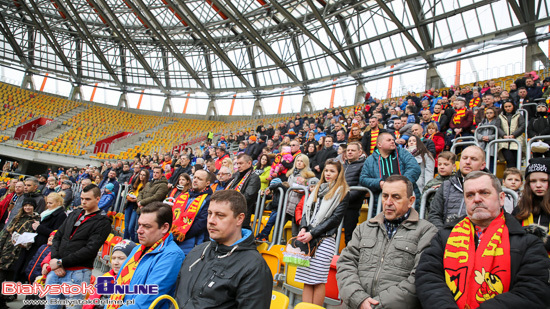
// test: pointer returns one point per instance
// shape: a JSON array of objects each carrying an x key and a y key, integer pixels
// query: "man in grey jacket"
[
  {"x": 448, "y": 202},
  {"x": 377, "y": 268}
]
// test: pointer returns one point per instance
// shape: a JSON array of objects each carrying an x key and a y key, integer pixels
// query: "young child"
[
  {"x": 446, "y": 168},
  {"x": 273, "y": 189},
  {"x": 34, "y": 269},
  {"x": 311, "y": 183},
  {"x": 513, "y": 180}
]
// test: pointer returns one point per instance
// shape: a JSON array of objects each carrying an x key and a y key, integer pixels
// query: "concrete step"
[{"x": 141, "y": 138}]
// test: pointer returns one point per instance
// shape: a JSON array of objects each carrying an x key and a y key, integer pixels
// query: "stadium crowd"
[{"x": 189, "y": 212}]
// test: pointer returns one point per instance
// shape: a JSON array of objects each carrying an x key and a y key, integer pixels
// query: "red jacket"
[
  {"x": 5, "y": 203},
  {"x": 218, "y": 162}
]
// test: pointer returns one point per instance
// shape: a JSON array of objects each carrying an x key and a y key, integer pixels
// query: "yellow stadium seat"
[
  {"x": 279, "y": 300},
  {"x": 307, "y": 306}
]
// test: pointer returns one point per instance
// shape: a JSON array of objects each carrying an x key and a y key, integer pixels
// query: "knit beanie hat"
[
  {"x": 126, "y": 246},
  {"x": 29, "y": 201},
  {"x": 538, "y": 165},
  {"x": 110, "y": 187},
  {"x": 313, "y": 181},
  {"x": 275, "y": 181}
]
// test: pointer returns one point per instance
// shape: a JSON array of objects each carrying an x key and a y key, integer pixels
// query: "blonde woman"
[
  {"x": 298, "y": 175},
  {"x": 228, "y": 163},
  {"x": 323, "y": 211}
]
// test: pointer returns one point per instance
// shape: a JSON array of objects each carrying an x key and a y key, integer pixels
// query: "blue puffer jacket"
[
  {"x": 408, "y": 167},
  {"x": 160, "y": 267},
  {"x": 34, "y": 269}
]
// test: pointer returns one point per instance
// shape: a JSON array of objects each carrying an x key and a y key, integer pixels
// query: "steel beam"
[
  {"x": 8, "y": 34},
  {"x": 195, "y": 24},
  {"x": 85, "y": 35},
  {"x": 162, "y": 35},
  {"x": 44, "y": 28},
  {"x": 305, "y": 31},
  {"x": 117, "y": 27},
  {"x": 333, "y": 38},
  {"x": 253, "y": 36}
]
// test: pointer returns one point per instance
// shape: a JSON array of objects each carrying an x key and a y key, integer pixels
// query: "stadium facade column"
[
  {"x": 212, "y": 110},
  {"x": 307, "y": 107},
  {"x": 123, "y": 100},
  {"x": 360, "y": 93},
  {"x": 28, "y": 82},
  {"x": 433, "y": 79},
  {"x": 258, "y": 109},
  {"x": 534, "y": 53},
  {"x": 167, "y": 107},
  {"x": 76, "y": 90}
]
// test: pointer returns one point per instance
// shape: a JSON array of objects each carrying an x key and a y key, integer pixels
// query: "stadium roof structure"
[{"x": 254, "y": 46}]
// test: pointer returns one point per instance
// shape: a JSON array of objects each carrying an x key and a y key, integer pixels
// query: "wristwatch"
[{"x": 59, "y": 264}]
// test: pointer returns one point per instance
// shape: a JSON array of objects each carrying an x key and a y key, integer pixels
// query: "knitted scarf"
[
  {"x": 435, "y": 117},
  {"x": 474, "y": 276},
  {"x": 241, "y": 183},
  {"x": 391, "y": 226},
  {"x": 323, "y": 208},
  {"x": 185, "y": 213},
  {"x": 474, "y": 102},
  {"x": 126, "y": 274},
  {"x": 458, "y": 115}
]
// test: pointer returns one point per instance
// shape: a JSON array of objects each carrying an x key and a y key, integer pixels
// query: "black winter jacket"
[
  {"x": 250, "y": 189},
  {"x": 322, "y": 156},
  {"x": 352, "y": 172},
  {"x": 48, "y": 225},
  {"x": 218, "y": 276},
  {"x": 80, "y": 249},
  {"x": 329, "y": 227},
  {"x": 529, "y": 286}
]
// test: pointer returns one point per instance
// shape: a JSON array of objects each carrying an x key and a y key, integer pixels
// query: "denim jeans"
[
  {"x": 130, "y": 222},
  {"x": 72, "y": 277}
]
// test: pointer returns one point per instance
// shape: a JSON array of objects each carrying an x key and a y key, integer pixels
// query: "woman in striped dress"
[{"x": 322, "y": 214}]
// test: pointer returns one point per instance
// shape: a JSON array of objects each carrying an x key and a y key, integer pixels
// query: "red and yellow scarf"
[
  {"x": 184, "y": 216},
  {"x": 474, "y": 102},
  {"x": 458, "y": 115},
  {"x": 435, "y": 117},
  {"x": 530, "y": 221},
  {"x": 474, "y": 276},
  {"x": 240, "y": 184},
  {"x": 127, "y": 272},
  {"x": 373, "y": 138}
]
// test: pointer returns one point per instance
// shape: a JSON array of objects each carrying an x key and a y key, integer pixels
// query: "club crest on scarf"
[{"x": 474, "y": 276}]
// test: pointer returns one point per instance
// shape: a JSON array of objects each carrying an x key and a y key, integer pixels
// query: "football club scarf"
[
  {"x": 436, "y": 117},
  {"x": 474, "y": 276},
  {"x": 458, "y": 115},
  {"x": 126, "y": 273},
  {"x": 184, "y": 216},
  {"x": 530, "y": 221},
  {"x": 474, "y": 102},
  {"x": 241, "y": 183}
]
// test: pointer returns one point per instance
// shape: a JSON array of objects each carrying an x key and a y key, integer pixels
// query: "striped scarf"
[
  {"x": 241, "y": 183},
  {"x": 474, "y": 102},
  {"x": 435, "y": 117},
  {"x": 458, "y": 115},
  {"x": 126, "y": 274}
]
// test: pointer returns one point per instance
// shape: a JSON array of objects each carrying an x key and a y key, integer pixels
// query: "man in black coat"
[
  {"x": 184, "y": 167},
  {"x": 450, "y": 273},
  {"x": 328, "y": 152},
  {"x": 76, "y": 243},
  {"x": 352, "y": 168},
  {"x": 371, "y": 134},
  {"x": 246, "y": 182}
]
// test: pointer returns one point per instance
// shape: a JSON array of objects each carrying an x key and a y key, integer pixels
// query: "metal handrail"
[
  {"x": 469, "y": 143},
  {"x": 488, "y": 126},
  {"x": 525, "y": 114},
  {"x": 463, "y": 138},
  {"x": 495, "y": 151},
  {"x": 531, "y": 141},
  {"x": 514, "y": 195},
  {"x": 424, "y": 201},
  {"x": 280, "y": 222},
  {"x": 256, "y": 209}
]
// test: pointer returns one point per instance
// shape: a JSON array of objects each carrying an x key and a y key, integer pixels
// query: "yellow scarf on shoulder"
[{"x": 458, "y": 115}]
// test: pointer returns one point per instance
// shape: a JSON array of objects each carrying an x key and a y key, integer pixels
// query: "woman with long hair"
[
  {"x": 424, "y": 158},
  {"x": 262, "y": 169},
  {"x": 512, "y": 126},
  {"x": 227, "y": 162},
  {"x": 322, "y": 213},
  {"x": 131, "y": 212},
  {"x": 534, "y": 204},
  {"x": 49, "y": 221},
  {"x": 310, "y": 150},
  {"x": 298, "y": 175},
  {"x": 184, "y": 183},
  {"x": 355, "y": 134},
  {"x": 9, "y": 254}
]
